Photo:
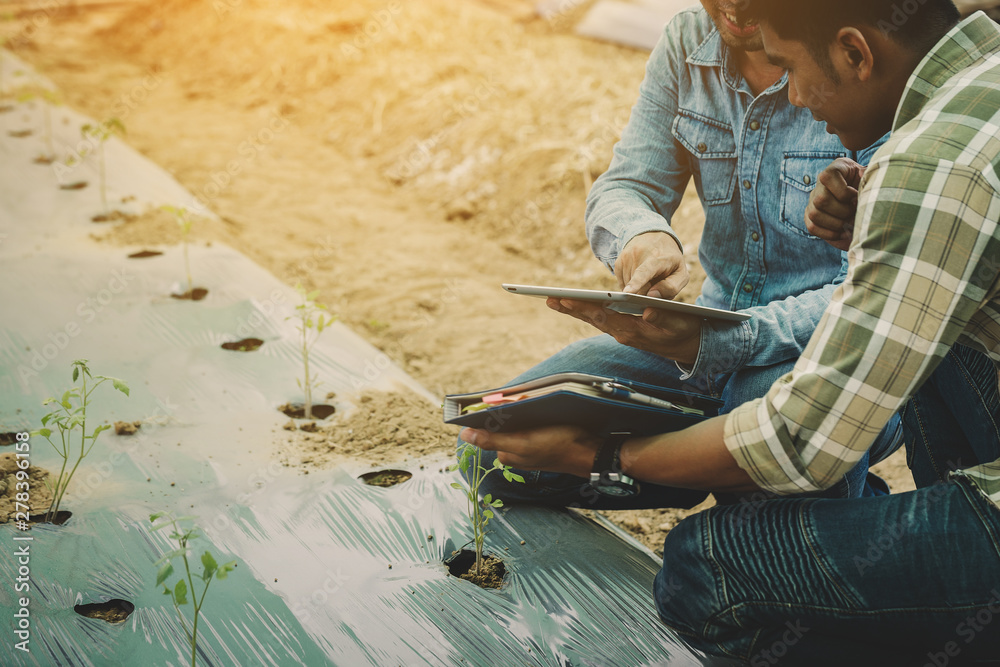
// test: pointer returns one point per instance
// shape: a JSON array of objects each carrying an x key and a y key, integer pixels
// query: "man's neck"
[{"x": 758, "y": 72}]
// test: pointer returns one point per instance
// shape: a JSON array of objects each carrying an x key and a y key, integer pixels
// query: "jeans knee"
[{"x": 684, "y": 588}]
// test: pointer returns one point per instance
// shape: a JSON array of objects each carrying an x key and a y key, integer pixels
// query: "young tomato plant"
[
  {"x": 312, "y": 317},
  {"x": 185, "y": 222},
  {"x": 49, "y": 98},
  {"x": 480, "y": 512},
  {"x": 102, "y": 132},
  {"x": 68, "y": 417},
  {"x": 185, "y": 584}
]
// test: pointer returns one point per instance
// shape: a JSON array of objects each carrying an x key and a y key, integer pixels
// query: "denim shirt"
[{"x": 754, "y": 162}]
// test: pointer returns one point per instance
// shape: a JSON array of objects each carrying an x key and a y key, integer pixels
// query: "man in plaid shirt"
[{"x": 907, "y": 579}]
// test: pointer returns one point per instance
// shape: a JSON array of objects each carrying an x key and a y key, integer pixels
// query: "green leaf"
[
  {"x": 210, "y": 565},
  {"x": 180, "y": 593},
  {"x": 488, "y": 499},
  {"x": 165, "y": 571},
  {"x": 497, "y": 464},
  {"x": 44, "y": 432},
  {"x": 99, "y": 429},
  {"x": 311, "y": 296},
  {"x": 154, "y": 517},
  {"x": 497, "y": 503},
  {"x": 76, "y": 373},
  {"x": 487, "y": 515},
  {"x": 513, "y": 477},
  {"x": 456, "y": 485},
  {"x": 224, "y": 571},
  {"x": 120, "y": 385}
]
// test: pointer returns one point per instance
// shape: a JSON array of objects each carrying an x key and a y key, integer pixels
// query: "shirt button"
[
  {"x": 702, "y": 147},
  {"x": 754, "y": 125},
  {"x": 755, "y": 236},
  {"x": 807, "y": 179},
  {"x": 746, "y": 185},
  {"x": 748, "y": 288}
]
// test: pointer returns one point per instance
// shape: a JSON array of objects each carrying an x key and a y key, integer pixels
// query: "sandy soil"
[{"x": 404, "y": 158}]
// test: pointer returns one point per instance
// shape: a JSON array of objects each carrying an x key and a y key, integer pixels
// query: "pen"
[{"x": 620, "y": 392}]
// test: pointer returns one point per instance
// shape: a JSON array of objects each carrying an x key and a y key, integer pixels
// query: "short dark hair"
[{"x": 914, "y": 24}]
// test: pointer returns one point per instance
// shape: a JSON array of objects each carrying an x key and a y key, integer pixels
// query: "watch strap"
[{"x": 607, "y": 459}]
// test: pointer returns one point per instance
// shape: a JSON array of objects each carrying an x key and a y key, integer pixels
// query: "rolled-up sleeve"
[
  {"x": 649, "y": 171},
  {"x": 914, "y": 282}
]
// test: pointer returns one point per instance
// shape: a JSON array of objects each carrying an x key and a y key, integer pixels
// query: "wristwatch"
[{"x": 607, "y": 477}]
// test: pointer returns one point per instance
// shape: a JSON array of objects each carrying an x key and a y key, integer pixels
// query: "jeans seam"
[
  {"x": 980, "y": 502},
  {"x": 721, "y": 590},
  {"x": 805, "y": 526},
  {"x": 969, "y": 381}
]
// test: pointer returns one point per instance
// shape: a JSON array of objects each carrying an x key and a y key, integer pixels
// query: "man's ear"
[{"x": 853, "y": 54}]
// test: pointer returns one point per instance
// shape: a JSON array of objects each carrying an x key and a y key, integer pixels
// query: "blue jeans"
[
  {"x": 603, "y": 355},
  {"x": 908, "y": 579}
]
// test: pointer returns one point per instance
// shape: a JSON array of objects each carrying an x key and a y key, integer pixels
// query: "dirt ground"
[{"x": 404, "y": 158}]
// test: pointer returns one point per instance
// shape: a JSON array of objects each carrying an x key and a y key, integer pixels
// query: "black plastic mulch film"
[{"x": 313, "y": 584}]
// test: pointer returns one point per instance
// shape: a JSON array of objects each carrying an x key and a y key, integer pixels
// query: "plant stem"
[
  {"x": 194, "y": 627},
  {"x": 187, "y": 265},
  {"x": 104, "y": 190},
  {"x": 48, "y": 129},
  {"x": 308, "y": 383}
]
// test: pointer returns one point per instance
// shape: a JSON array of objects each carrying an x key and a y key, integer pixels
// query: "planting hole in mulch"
[
  {"x": 298, "y": 411},
  {"x": 245, "y": 345},
  {"x": 111, "y": 216},
  {"x": 197, "y": 294},
  {"x": 75, "y": 185},
  {"x": 8, "y": 438},
  {"x": 463, "y": 565},
  {"x": 112, "y": 611},
  {"x": 143, "y": 254},
  {"x": 385, "y": 478},
  {"x": 19, "y": 133},
  {"x": 62, "y": 516},
  {"x": 44, "y": 159},
  {"x": 4, "y": 108}
]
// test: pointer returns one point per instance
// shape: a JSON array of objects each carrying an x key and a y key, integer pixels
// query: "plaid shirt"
[{"x": 924, "y": 274}]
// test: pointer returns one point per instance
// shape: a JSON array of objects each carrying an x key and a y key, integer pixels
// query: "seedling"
[
  {"x": 185, "y": 583},
  {"x": 48, "y": 98},
  {"x": 479, "y": 511},
  {"x": 185, "y": 222},
  {"x": 70, "y": 416},
  {"x": 101, "y": 133},
  {"x": 312, "y": 318}
]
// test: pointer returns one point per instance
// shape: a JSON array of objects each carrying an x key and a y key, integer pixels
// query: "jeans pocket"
[
  {"x": 712, "y": 149},
  {"x": 799, "y": 175}
]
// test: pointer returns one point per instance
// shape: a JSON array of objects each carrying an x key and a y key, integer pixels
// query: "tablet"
[{"x": 623, "y": 302}]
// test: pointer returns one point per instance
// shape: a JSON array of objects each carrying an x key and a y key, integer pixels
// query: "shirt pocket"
[
  {"x": 713, "y": 154},
  {"x": 799, "y": 174}
]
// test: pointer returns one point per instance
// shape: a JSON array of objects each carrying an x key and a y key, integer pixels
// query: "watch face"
[{"x": 616, "y": 489}]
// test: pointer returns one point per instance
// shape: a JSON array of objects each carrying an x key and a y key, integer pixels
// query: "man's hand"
[
  {"x": 652, "y": 264},
  {"x": 834, "y": 203},
  {"x": 671, "y": 335},
  {"x": 566, "y": 449}
]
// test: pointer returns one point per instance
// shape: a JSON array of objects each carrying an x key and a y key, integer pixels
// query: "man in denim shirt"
[{"x": 711, "y": 107}]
